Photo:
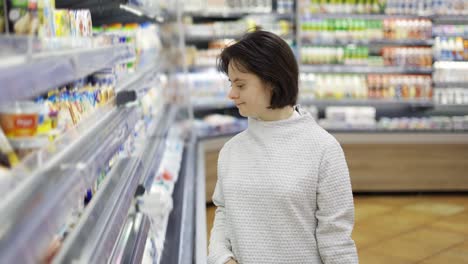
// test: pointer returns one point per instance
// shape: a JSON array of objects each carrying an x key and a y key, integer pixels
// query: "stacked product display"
[
  {"x": 223, "y": 6},
  {"x": 372, "y": 86},
  {"x": 218, "y": 23},
  {"x": 408, "y": 51},
  {"x": 364, "y": 119}
]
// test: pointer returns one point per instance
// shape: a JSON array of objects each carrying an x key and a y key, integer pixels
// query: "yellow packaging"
[{"x": 62, "y": 23}]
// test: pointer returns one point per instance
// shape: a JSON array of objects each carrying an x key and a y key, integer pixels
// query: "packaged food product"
[
  {"x": 8, "y": 157},
  {"x": 25, "y": 146},
  {"x": 46, "y": 18},
  {"x": 61, "y": 23},
  {"x": 19, "y": 119}
]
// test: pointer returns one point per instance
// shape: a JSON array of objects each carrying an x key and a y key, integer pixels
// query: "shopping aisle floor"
[{"x": 426, "y": 229}]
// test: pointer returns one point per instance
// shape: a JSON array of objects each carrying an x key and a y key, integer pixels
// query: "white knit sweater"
[{"x": 283, "y": 196}]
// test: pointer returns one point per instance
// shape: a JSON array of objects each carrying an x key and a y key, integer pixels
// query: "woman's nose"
[{"x": 233, "y": 94}]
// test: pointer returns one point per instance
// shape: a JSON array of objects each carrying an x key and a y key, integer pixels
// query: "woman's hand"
[{"x": 231, "y": 261}]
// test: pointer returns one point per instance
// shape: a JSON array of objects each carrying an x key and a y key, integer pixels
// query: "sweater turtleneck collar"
[{"x": 255, "y": 123}]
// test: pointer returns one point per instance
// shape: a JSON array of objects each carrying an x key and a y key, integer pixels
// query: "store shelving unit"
[
  {"x": 93, "y": 239},
  {"x": 377, "y": 103},
  {"x": 49, "y": 185},
  {"x": 34, "y": 74},
  {"x": 233, "y": 14},
  {"x": 58, "y": 179},
  {"x": 450, "y": 84},
  {"x": 363, "y": 69},
  {"x": 449, "y": 19},
  {"x": 382, "y": 42},
  {"x": 119, "y": 11}
]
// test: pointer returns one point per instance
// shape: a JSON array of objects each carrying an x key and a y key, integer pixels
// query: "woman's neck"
[{"x": 277, "y": 114}]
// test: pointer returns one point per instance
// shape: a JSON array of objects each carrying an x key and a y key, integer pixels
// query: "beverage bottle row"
[
  {"x": 450, "y": 30},
  {"x": 451, "y": 96},
  {"x": 333, "y": 86},
  {"x": 349, "y": 55},
  {"x": 407, "y": 28},
  {"x": 399, "y": 86},
  {"x": 437, "y": 123},
  {"x": 450, "y": 7},
  {"x": 450, "y": 72},
  {"x": 344, "y": 7},
  {"x": 390, "y": 7},
  {"x": 317, "y": 30},
  {"x": 409, "y": 7},
  {"x": 407, "y": 56},
  {"x": 341, "y": 29},
  {"x": 451, "y": 49},
  {"x": 358, "y": 86}
]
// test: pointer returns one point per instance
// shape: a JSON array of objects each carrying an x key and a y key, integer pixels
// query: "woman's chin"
[{"x": 242, "y": 113}]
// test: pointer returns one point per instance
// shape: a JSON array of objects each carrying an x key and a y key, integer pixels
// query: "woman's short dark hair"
[{"x": 271, "y": 59}]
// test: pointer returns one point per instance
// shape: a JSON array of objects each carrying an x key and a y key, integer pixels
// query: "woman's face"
[{"x": 248, "y": 92}]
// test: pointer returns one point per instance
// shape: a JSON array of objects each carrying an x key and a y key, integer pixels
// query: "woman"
[{"x": 283, "y": 193}]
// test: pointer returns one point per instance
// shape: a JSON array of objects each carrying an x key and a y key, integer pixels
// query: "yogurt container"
[{"x": 19, "y": 119}]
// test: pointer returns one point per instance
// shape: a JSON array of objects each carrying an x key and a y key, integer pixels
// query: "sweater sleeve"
[
  {"x": 335, "y": 209},
  {"x": 219, "y": 248}
]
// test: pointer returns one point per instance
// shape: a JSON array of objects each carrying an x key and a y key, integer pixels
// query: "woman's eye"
[{"x": 240, "y": 86}]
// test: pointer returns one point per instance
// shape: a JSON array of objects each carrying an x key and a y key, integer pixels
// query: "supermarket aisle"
[{"x": 426, "y": 229}]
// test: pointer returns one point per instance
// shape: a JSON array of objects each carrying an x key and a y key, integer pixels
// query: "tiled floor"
[{"x": 426, "y": 229}]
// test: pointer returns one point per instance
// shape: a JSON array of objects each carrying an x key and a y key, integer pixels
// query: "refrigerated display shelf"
[
  {"x": 108, "y": 12},
  {"x": 153, "y": 154},
  {"x": 212, "y": 104},
  {"x": 53, "y": 186},
  {"x": 452, "y": 107},
  {"x": 386, "y": 42},
  {"x": 449, "y": 19},
  {"x": 450, "y": 84},
  {"x": 192, "y": 38},
  {"x": 362, "y": 69},
  {"x": 93, "y": 240},
  {"x": 323, "y": 103},
  {"x": 136, "y": 85},
  {"x": 179, "y": 245},
  {"x": 45, "y": 71},
  {"x": 377, "y": 103},
  {"x": 234, "y": 14},
  {"x": 131, "y": 245},
  {"x": 361, "y": 16}
]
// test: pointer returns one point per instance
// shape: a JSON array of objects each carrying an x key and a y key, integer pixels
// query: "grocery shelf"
[
  {"x": 179, "y": 243},
  {"x": 360, "y": 16},
  {"x": 451, "y": 107},
  {"x": 94, "y": 238},
  {"x": 48, "y": 70},
  {"x": 108, "y": 12},
  {"x": 137, "y": 84},
  {"x": 208, "y": 104},
  {"x": 377, "y": 103},
  {"x": 131, "y": 244},
  {"x": 192, "y": 38},
  {"x": 362, "y": 69},
  {"x": 386, "y": 42},
  {"x": 236, "y": 14},
  {"x": 449, "y": 19},
  {"x": 153, "y": 154},
  {"x": 450, "y": 84},
  {"x": 55, "y": 179}
]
